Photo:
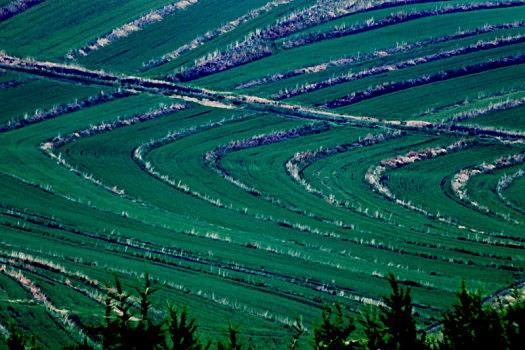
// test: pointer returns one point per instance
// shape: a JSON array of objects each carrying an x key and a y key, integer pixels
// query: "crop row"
[
  {"x": 128, "y": 28},
  {"x": 56, "y": 111},
  {"x": 16, "y": 7},
  {"x": 389, "y": 87},
  {"x": 257, "y": 45},
  {"x": 396, "y": 19},
  {"x": 461, "y": 179},
  {"x": 479, "y": 46},
  {"x": 212, "y": 34},
  {"x": 355, "y": 232},
  {"x": 399, "y": 48}
]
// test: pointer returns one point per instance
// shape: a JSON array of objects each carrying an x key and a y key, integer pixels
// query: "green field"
[{"x": 289, "y": 154}]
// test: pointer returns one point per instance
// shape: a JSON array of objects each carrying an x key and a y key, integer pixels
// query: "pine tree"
[
  {"x": 394, "y": 328},
  {"x": 233, "y": 341},
  {"x": 298, "y": 330},
  {"x": 16, "y": 340},
  {"x": 472, "y": 326},
  {"x": 514, "y": 321},
  {"x": 121, "y": 328},
  {"x": 334, "y": 330},
  {"x": 374, "y": 330},
  {"x": 181, "y": 331}
]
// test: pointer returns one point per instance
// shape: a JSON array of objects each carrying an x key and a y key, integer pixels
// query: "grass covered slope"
[{"x": 289, "y": 154}]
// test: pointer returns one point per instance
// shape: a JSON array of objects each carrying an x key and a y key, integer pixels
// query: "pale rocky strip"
[
  {"x": 141, "y": 152},
  {"x": 478, "y": 46},
  {"x": 296, "y": 164},
  {"x": 32, "y": 259},
  {"x": 257, "y": 44},
  {"x": 396, "y": 18},
  {"x": 15, "y": 7},
  {"x": 374, "y": 174},
  {"x": 395, "y": 86},
  {"x": 213, "y": 157},
  {"x": 140, "y": 156},
  {"x": 492, "y": 107},
  {"x": 130, "y": 27},
  {"x": 309, "y": 283},
  {"x": 504, "y": 183},
  {"x": 61, "y": 315},
  {"x": 39, "y": 115},
  {"x": 460, "y": 180},
  {"x": 210, "y": 35},
  {"x": 28, "y": 262},
  {"x": 324, "y": 11},
  {"x": 399, "y": 48}
]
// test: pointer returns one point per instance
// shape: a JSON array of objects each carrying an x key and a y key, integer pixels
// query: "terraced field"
[{"x": 259, "y": 158}]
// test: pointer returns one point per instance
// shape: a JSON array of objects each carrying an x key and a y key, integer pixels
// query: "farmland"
[{"x": 258, "y": 158}]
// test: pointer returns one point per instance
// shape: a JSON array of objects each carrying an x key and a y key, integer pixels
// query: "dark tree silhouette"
[
  {"x": 232, "y": 341},
  {"x": 470, "y": 325},
  {"x": 373, "y": 329},
  {"x": 334, "y": 330},
  {"x": 16, "y": 340},
  {"x": 394, "y": 327},
  {"x": 298, "y": 330},
  {"x": 397, "y": 316},
  {"x": 514, "y": 321},
  {"x": 130, "y": 323},
  {"x": 181, "y": 331}
]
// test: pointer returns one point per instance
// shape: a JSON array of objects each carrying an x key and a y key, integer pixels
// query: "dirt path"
[{"x": 229, "y": 100}]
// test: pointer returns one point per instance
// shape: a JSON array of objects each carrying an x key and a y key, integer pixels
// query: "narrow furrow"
[
  {"x": 213, "y": 159},
  {"x": 254, "y": 103},
  {"x": 10, "y": 84},
  {"x": 375, "y": 174},
  {"x": 372, "y": 243},
  {"x": 140, "y": 155},
  {"x": 231, "y": 270},
  {"x": 377, "y": 243},
  {"x": 447, "y": 110},
  {"x": 297, "y": 164},
  {"x": 141, "y": 152},
  {"x": 259, "y": 44},
  {"x": 214, "y": 156},
  {"x": 78, "y": 281},
  {"x": 230, "y": 303}
]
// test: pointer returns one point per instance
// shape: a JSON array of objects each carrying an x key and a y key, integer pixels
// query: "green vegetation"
[
  {"x": 131, "y": 321},
  {"x": 265, "y": 159}
]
